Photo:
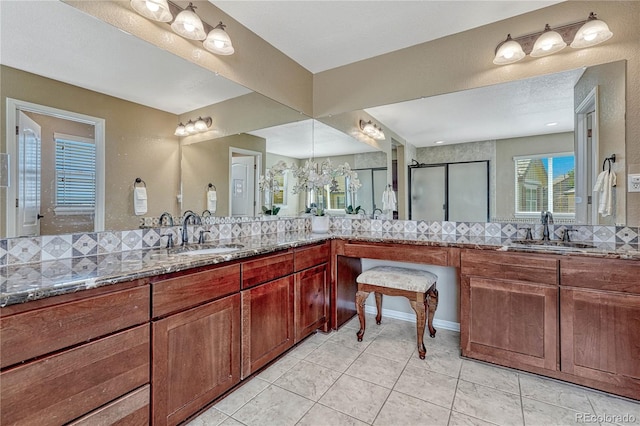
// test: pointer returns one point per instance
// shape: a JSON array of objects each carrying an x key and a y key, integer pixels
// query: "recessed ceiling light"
[
  {"x": 553, "y": 123},
  {"x": 438, "y": 142}
]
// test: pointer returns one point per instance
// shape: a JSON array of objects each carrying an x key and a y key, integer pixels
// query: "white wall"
[{"x": 448, "y": 312}]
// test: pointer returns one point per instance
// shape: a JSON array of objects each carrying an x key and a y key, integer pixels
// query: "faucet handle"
[
  {"x": 565, "y": 235},
  {"x": 528, "y": 236},
  {"x": 202, "y": 239}
]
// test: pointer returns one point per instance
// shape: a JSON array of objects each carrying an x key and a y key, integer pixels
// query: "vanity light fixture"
[
  {"x": 371, "y": 130},
  {"x": 218, "y": 41},
  {"x": 579, "y": 34},
  {"x": 193, "y": 127},
  {"x": 156, "y": 10},
  {"x": 186, "y": 24}
]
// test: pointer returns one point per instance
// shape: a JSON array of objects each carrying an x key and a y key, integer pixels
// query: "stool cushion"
[{"x": 400, "y": 278}]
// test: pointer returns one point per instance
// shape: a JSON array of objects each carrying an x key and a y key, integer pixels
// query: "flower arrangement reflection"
[{"x": 270, "y": 184}]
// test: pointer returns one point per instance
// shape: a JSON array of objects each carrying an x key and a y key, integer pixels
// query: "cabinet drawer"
[
  {"x": 40, "y": 331},
  {"x": 539, "y": 269},
  {"x": 306, "y": 257},
  {"x": 130, "y": 410},
  {"x": 182, "y": 292},
  {"x": 399, "y": 252},
  {"x": 69, "y": 384},
  {"x": 266, "y": 268},
  {"x": 601, "y": 274}
]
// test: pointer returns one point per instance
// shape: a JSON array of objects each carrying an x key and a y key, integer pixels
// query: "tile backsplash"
[{"x": 15, "y": 251}]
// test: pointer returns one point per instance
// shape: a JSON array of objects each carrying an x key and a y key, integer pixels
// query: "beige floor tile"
[
  {"x": 488, "y": 404},
  {"x": 335, "y": 357},
  {"x": 231, "y": 422},
  {"x": 232, "y": 402},
  {"x": 211, "y": 417},
  {"x": 347, "y": 337},
  {"x": 444, "y": 339},
  {"x": 308, "y": 380},
  {"x": 273, "y": 406},
  {"x": 304, "y": 348},
  {"x": 459, "y": 419},
  {"x": 278, "y": 368},
  {"x": 538, "y": 413},
  {"x": 404, "y": 330},
  {"x": 555, "y": 393},
  {"x": 615, "y": 410},
  {"x": 375, "y": 369},
  {"x": 390, "y": 348},
  {"x": 401, "y": 409},
  {"x": 319, "y": 337},
  {"x": 491, "y": 376},
  {"x": 354, "y": 323},
  {"x": 356, "y": 398},
  {"x": 321, "y": 415},
  {"x": 427, "y": 386},
  {"x": 440, "y": 360}
]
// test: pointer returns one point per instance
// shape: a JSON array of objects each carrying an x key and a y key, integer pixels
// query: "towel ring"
[
  {"x": 210, "y": 186},
  {"x": 137, "y": 181},
  {"x": 609, "y": 160}
]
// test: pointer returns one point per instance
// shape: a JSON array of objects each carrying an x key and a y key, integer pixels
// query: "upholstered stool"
[{"x": 416, "y": 285}]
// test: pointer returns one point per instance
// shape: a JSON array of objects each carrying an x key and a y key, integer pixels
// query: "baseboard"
[{"x": 404, "y": 316}]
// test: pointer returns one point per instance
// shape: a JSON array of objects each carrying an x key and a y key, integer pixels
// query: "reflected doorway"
[
  {"x": 35, "y": 204},
  {"x": 245, "y": 169}
]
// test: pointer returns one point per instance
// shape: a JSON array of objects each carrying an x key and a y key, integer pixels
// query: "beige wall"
[
  {"x": 464, "y": 61},
  {"x": 255, "y": 64},
  {"x": 506, "y": 149},
  {"x": 51, "y": 224},
  {"x": 609, "y": 78},
  {"x": 208, "y": 162},
  {"x": 139, "y": 143}
]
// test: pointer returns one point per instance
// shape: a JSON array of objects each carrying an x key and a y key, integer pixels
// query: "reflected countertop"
[{"x": 32, "y": 281}]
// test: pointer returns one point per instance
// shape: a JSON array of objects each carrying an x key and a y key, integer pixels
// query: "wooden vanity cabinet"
[
  {"x": 311, "y": 299},
  {"x": 509, "y": 308},
  {"x": 66, "y": 356},
  {"x": 196, "y": 340},
  {"x": 600, "y": 322}
]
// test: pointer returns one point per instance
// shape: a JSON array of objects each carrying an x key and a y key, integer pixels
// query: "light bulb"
[
  {"x": 190, "y": 127},
  {"x": 200, "y": 125},
  {"x": 188, "y": 26}
]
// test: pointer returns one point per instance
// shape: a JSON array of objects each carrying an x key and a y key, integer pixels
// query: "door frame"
[
  {"x": 12, "y": 108},
  {"x": 257, "y": 158},
  {"x": 583, "y": 170}
]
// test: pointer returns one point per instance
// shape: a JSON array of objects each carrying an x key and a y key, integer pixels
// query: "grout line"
[{"x": 521, "y": 402}]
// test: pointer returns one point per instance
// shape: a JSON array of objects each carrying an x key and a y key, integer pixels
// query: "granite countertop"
[{"x": 32, "y": 281}]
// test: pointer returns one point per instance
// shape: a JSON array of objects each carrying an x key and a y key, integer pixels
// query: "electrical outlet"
[{"x": 634, "y": 183}]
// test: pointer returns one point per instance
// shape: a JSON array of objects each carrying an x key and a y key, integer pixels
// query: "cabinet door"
[
  {"x": 310, "y": 300},
  {"x": 509, "y": 322},
  {"x": 267, "y": 323},
  {"x": 196, "y": 358},
  {"x": 600, "y": 332}
]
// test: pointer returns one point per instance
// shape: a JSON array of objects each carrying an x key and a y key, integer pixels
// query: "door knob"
[{"x": 40, "y": 216}]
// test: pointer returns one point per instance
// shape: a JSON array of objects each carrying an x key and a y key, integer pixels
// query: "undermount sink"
[
  {"x": 203, "y": 249},
  {"x": 553, "y": 244}
]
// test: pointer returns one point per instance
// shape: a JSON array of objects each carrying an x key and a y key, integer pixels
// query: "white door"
[
  {"x": 242, "y": 186},
  {"x": 28, "y": 197},
  {"x": 428, "y": 193}
]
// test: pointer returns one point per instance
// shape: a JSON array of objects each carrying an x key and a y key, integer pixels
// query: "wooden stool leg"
[
  {"x": 361, "y": 297},
  {"x": 431, "y": 304},
  {"x": 379, "y": 307},
  {"x": 419, "y": 307}
]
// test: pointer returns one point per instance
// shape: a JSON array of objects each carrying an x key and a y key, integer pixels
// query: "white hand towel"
[
  {"x": 212, "y": 201},
  {"x": 389, "y": 200},
  {"x": 140, "y": 200},
  {"x": 605, "y": 183}
]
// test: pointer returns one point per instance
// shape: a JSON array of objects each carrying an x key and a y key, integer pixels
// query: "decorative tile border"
[{"x": 21, "y": 251}]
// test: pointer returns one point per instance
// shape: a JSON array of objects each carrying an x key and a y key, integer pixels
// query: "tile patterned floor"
[{"x": 333, "y": 380}]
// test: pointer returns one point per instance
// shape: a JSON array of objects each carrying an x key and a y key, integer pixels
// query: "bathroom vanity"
[{"x": 158, "y": 345}]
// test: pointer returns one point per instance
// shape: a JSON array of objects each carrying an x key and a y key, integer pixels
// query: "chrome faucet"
[
  {"x": 546, "y": 217},
  {"x": 185, "y": 219},
  {"x": 167, "y": 215},
  {"x": 377, "y": 210}
]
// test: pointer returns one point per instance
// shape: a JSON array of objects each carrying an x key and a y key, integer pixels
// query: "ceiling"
[
  {"x": 325, "y": 34},
  {"x": 317, "y": 34}
]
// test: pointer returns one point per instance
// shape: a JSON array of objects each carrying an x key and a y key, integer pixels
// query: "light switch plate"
[{"x": 634, "y": 183}]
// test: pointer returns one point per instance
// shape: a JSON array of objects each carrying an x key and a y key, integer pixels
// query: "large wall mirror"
[
  {"x": 545, "y": 140},
  {"x": 137, "y": 105}
]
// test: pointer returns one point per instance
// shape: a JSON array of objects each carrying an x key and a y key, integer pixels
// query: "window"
[
  {"x": 75, "y": 159},
  {"x": 545, "y": 182},
  {"x": 336, "y": 194}
]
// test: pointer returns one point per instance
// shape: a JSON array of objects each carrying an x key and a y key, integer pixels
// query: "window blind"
[{"x": 75, "y": 173}]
